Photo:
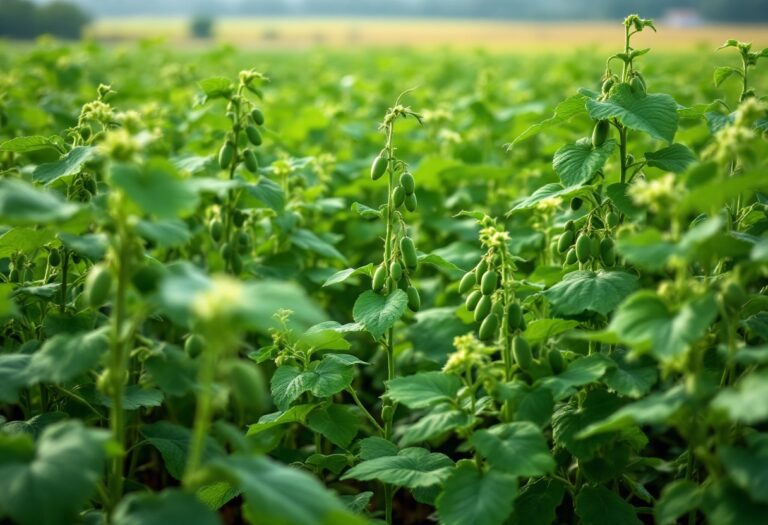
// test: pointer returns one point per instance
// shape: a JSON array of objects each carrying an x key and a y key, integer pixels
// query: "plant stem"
[
  {"x": 623, "y": 152},
  {"x": 64, "y": 270},
  {"x": 365, "y": 410}
]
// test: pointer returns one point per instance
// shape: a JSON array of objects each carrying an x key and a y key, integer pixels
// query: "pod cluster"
[
  {"x": 228, "y": 151},
  {"x": 240, "y": 242},
  {"x": 481, "y": 284},
  {"x": 397, "y": 273},
  {"x": 585, "y": 246}
]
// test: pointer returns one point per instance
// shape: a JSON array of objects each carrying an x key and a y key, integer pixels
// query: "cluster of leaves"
[{"x": 199, "y": 324}]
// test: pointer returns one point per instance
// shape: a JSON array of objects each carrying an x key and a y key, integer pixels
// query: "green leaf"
[
  {"x": 654, "y": 409},
  {"x": 324, "y": 379},
  {"x": 433, "y": 425},
  {"x": 282, "y": 495},
  {"x": 377, "y": 313},
  {"x": 343, "y": 275},
  {"x": 216, "y": 87},
  {"x": 724, "y": 73},
  {"x": 334, "y": 463},
  {"x": 630, "y": 377},
  {"x": 155, "y": 188},
  {"x": 69, "y": 165},
  {"x": 566, "y": 110},
  {"x": 516, "y": 448},
  {"x": 22, "y": 204},
  {"x": 748, "y": 467},
  {"x": 28, "y": 144},
  {"x": 745, "y": 403},
  {"x": 570, "y": 419},
  {"x": 13, "y": 376},
  {"x": 582, "y": 291},
  {"x": 166, "y": 234},
  {"x": 677, "y": 499},
  {"x": 376, "y": 447},
  {"x": 618, "y": 194},
  {"x": 23, "y": 240},
  {"x": 172, "y": 370},
  {"x": 423, "y": 389},
  {"x": 92, "y": 246},
  {"x": 473, "y": 496},
  {"x": 168, "y": 506},
  {"x": 64, "y": 356},
  {"x": 582, "y": 371},
  {"x": 50, "y": 483},
  {"x": 433, "y": 332},
  {"x": 675, "y": 158},
  {"x": 646, "y": 249},
  {"x": 724, "y": 504},
  {"x": 268, "y": 193},
  {"x": 338, "y": 423},
  {"x": 412, "y": 468},
  {"x": 537, "y": 503},
  {"x": 553, "y": 190},
  {"x": 600, "y": 506},
  {"x": 654, "y": 114},
  {"x": 545, "y": 329},
  {"x": 577, "y": 163},
  {"x": 295, "y": 414},
  {"x": 306, "y": 240},
  {"x": 528, "y": 403},
  {"x": 646, "y": 323},
  {"x": 173, "y": 441}
]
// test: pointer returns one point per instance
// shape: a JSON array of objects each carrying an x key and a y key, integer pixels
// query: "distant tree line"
[
  {"x": 23, "y": 19},
  {"x": 712, "y": 10}
]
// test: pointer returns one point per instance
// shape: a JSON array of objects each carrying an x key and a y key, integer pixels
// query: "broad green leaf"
[
  {"x": 677, "y": 499},
  {"x": 412, "y": 468},
  {"x": 440, "y": 263},
  {"x": 169, "y": 506},
  {"x": 343, "y": 275},
  {"x": 654, "y": 114},
  {"x": 434, "y": 424},
  {"x": 654, "y": 409},
  {"x": 569, "y": 420},
  {"x": 173, "y": 441},
  {"x": 23, "y": 240},
  {"x": 307, "y": 240},
  {"x": 566, "y": 110},
  {"x": 544, "y": 329},
  {"x": 376, "y": 447},
  {"x": 324, "y": 379},
  {"x": 155, "y": 188},
  {"x": 267, "y": 192},
  {"x": 646, "y": 249},
  {"x": 423, "y": 389},
  {"x": 378, "y": 313},
  {"x": 165, "y": 234},
  {"x": 216, "y": 87},
  {"x": 22, "y": 204},
  {"x": 474, "y": 496},
  {"x": 646, "y": 323},
  {"x": 600, "y": 506},
  {"x": 64, "y": 357},
  {"x": 282, "y": 495},
  {"x": 216, "y": 495},
  {"x": 34, "y": 426},
  {"x": 582, "y": 371},
  {"x": 323, "y": 336},
  {"x": 92, "y": 246},
  {"x": 537, "y": 502},
  {"x": 433, "y": 332},
  {"x": 748, "y": 467},
  {"x": 630, "y": 377},
  {"x": 724, "y": 73},
  {"x": 553, "y": 190},
  {"x": 745, "y": 402},
  {"x": 724, "y": 504},
  {"x": 618, "y": 194},
  {"x": 674, "y": 158},
  {"x": 51, "y": 482},
  {"x": 172, "y": 370},
  {"x": 577, "y": 163},
  {"x": 582, "y": 291},
  {"x": 528, "y": 403},
  {"x": 295, "y": 414},
  {"x": 69, "y": 165},
  {"x": 338, "y": 423},
  {"x": 13, "y": 376},
  {"x": 28, "y": 144},
  {"x": 334, "y": 463},
  {"x": 516, "y": 448}
]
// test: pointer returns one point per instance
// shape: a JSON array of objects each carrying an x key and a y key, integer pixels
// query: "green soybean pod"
[
  {"x": 379, "y": 167},
  {"x": 98, "y": 285},
  {"x": 250, "y": 160},
  {"x": 480, "y": 270},
  {"x": 565, "y": 242},
  {"x": 194, "y": 345},
  {"x": 379, "y": 278},
  {"x": 483, "y": 308},
  {"x": 258, "y": 116},
  {"x": 488, "y": 327},
  {"x": 607, "y": 252},
  {"x": 398, "y": 196},
  {"x": 600, "y": 133},
  {"x": 408, "y": 182},
  {"x": 414, "y": 300},
  {"x": 583, "y": 248},
  {"x": 411, "y": 202},
  {"x": 226, "y": 155},
  {"x": 253, "y": 134},
  {"x": 54, "y": 258},
  {"x": 473, "y": 299},
  {"x": 570, "y": 257},
  {"x": 514, "y": 316},
  {"x": 408, "y": 249},
  {"x": 467, "y": 282},
  {"x": 521, "y": 351},
  {"x": 556, "y": 361},
  {"x": 395, "y": 271},
  {"x": 489, "y": 283}
]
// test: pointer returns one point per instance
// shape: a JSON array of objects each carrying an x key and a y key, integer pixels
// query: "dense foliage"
[
  {"x": 237, "y": 299},
  {"x": 23, "y": 19}
]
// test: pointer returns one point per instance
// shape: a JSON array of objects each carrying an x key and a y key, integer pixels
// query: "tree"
[{"x": 61, "y": 19}]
